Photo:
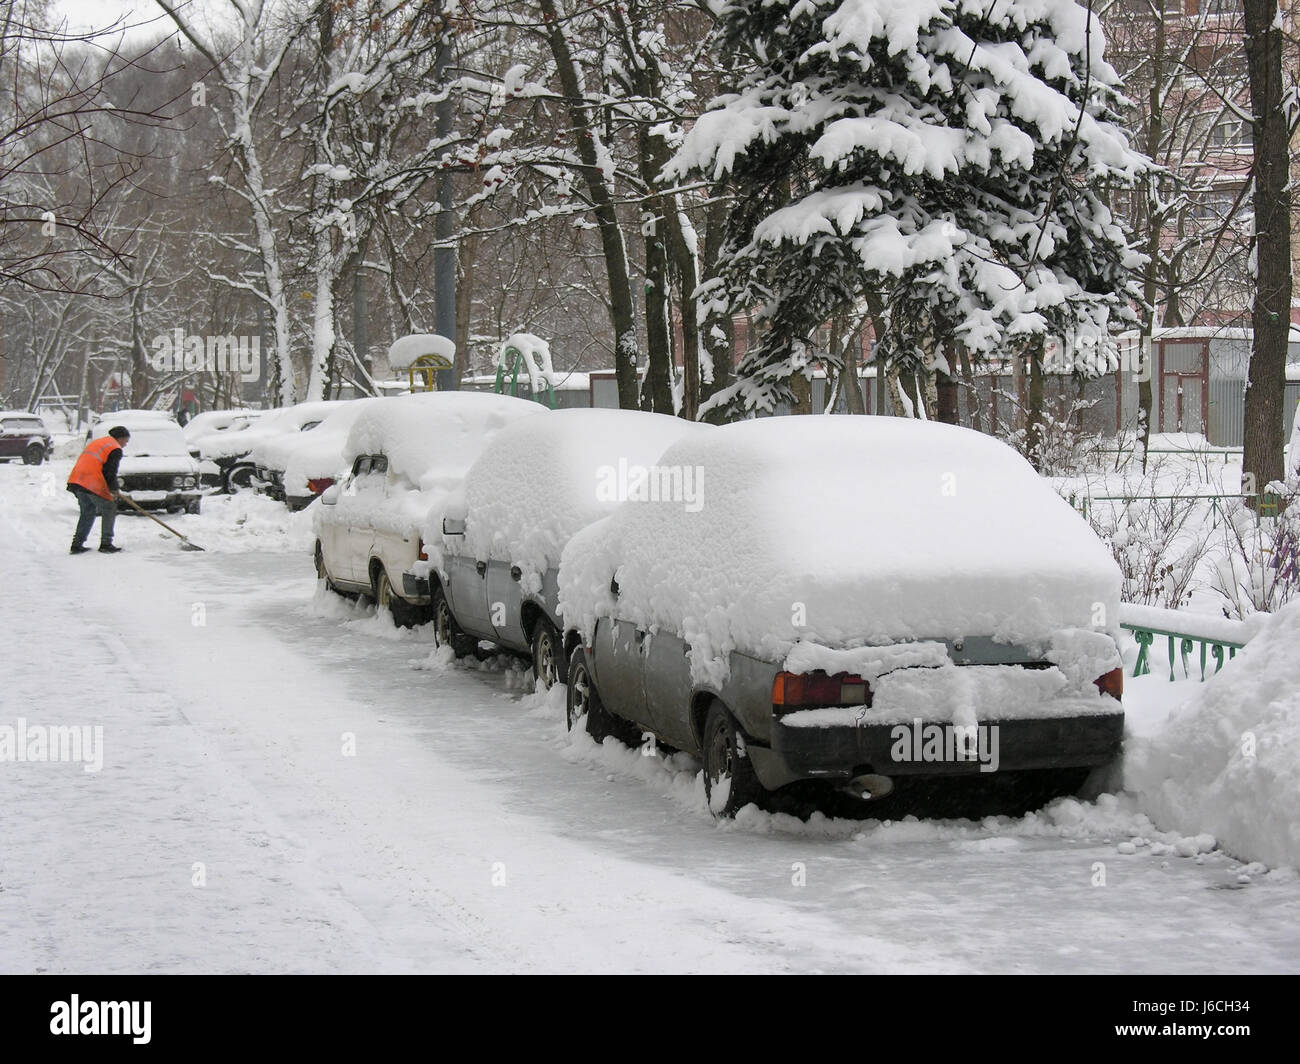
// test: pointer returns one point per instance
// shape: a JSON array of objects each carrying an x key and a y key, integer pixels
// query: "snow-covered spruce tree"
[{"x": 951, "y": 158}]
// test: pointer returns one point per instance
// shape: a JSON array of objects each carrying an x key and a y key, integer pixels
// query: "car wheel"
[
  {"x": 446, "y": 631},
  {"x": 34, "y": 455},
  {"x": 404, "y": 614},
  {"x": 583, "y": 704},
  {"x": 321, "y": 573},
  {"x": 546, "y": 653},
  {"x": 729, "y": 780},
  {"x": 238, "y": 478}
]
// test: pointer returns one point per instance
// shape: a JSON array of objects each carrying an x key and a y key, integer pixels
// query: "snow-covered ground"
[{"x": 288, "y": 783}]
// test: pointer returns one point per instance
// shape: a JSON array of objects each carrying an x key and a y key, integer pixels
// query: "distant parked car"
[
  {"x": 534, "y": 486},
  {"x": 407, "y": 455},
  {"x": 23, "y": 435},
  {"x": 213, "y": 423},
  {"x": 230, "y": 450},
  {"x": 157, "y": 470},
  {"x": 855, "y": 600},
  {"x": 294, "y": 468}
]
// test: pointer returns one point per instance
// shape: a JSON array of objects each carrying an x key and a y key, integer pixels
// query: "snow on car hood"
[
  {"x": 843, "y": 532},
  {"x": 181, "y": 464},
  {"x": 540, "y": 481}
]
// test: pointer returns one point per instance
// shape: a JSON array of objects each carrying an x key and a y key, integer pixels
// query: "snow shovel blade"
[{"x": 185, "y": 543}]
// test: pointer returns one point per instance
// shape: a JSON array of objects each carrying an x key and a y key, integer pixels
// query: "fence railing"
[{"x": 1185, "y": 633}]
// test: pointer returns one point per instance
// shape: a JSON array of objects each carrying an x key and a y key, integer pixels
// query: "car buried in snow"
[
  {"x": 24, "y": 437},
  {"x": 878, "y": 604},
  {"x": 536, "y": 484},
  {"x": 296, "y": 467},
  {"x": 157, "y": 470},
  {"x": 407, "y": 455},
  {"x": 226, "y": 455}
]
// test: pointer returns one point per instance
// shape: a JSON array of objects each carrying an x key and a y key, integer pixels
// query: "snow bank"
[
  {"x": 843, "y": 531},
  {"x": 1227, "y": 762},
  {"x": 540, "y": 481}
]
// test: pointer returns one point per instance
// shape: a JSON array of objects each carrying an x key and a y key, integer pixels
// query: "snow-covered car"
[
  {"x": 534, "y": 486},
  {"x": 849, "y": 599},
  {"x": 157, "y": 470},
  {"x": 231, "y": 449},
  {"x": 213, "y": 423},
  {"x": 295, "y": 468},
  {"x": 23, "y": 435},
  {"x": 408, "y": 454}
]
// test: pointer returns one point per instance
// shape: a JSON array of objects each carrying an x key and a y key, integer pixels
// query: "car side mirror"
[
  {"x": 453, "y": 526},
  {"x": 330, "y": 496}
]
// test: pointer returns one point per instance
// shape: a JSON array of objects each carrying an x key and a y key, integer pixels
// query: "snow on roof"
[
  {"x": 841, "y": 531},
  {"x": 431, "y": 438},
  {"x": 540, "y": 481},
  {"x": 403, "y": 351}
]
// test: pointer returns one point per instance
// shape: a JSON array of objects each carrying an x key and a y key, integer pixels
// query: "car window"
[
  {"x": 309, "y": 426},
  {"x": 361, "y": 466},
  {"x": 379, "y": 464}
]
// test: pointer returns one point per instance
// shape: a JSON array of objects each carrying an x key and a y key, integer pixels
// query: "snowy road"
[{"x": 291, "y": 784}]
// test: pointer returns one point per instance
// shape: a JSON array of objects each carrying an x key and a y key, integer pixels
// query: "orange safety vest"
[{"x": 88, "y": 473}]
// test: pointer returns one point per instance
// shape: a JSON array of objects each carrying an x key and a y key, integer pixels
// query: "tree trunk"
[
  {"x": 972, "y": 392},
  {"x": 1034, "y": 410},
  {"x": 946, "y": 392},
  {"x": 1271, "y": 318}
]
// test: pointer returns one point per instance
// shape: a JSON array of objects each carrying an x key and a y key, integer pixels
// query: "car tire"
[
  {"x": 34, "y": 455},
  {"x": 547, "y": 654},
  {"x": 583, "y": 703},
  {"x": 238, "y": 478},
  {"x": 321, "y": 573},
  {"x": 730, "y": 783},
  {"x": 446, "y": 630},
  {"x": 404, "y": 614}
]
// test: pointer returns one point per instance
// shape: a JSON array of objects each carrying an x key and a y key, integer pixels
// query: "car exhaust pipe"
[{"x": 869, "y": 787}]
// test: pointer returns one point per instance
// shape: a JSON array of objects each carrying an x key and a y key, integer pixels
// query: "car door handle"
[
  {"x": 480, "y": 568},
  {"x": 515, "y": 572}
]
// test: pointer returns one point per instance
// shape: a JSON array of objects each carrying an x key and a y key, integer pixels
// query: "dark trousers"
[{"x": 93, "y": 506}]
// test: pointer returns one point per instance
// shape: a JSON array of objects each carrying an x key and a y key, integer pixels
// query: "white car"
[
  {"x": 863, "y": 601},
  {"x": 212, "y": 423},
  {"x": 232, "y": 449},
  {"x": 539, "y": 482},
  {"x": 407, "y": 455},
  {"x": 157, "y": 470}
]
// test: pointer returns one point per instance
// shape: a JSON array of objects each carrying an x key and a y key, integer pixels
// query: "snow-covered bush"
[{"x": 1257, "y": 563}]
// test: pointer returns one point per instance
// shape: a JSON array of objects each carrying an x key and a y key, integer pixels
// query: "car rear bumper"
[{"x": 841, "y": 752}]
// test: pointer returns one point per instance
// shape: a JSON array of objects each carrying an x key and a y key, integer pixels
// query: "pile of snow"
[
  {"x": 1227, "y": 762},
  {"x": 430, "y": 439},
  {"x": 540, "y": 481},
  {"x": 536, "y": 354},
  {"x": 845, "y": 532},
  {"x": 403, "y": 351}
]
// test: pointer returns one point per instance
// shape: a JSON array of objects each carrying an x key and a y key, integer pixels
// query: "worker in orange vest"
[{"x": 94, "y": 482}]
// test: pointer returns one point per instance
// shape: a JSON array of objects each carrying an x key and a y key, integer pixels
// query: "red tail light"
[
  {"x": 319, "y": 484},
  {"x": 424, "y": 554},
  {"x": 1111, "y": 684},
  {"x": 800, "y": 690}
]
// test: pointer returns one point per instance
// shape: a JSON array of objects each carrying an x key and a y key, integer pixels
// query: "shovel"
[{"x": 185, "y": 543}]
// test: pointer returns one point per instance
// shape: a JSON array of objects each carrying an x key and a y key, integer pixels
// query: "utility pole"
[{"x": 444, "y": 253}]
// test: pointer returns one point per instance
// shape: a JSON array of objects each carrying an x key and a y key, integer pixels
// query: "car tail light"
[
  {"x": 424, "y": 554},
  {"x": 319, "y": 484},
  {"x": 1112, "y": 683},
  {"x": 799, "y": 690}
]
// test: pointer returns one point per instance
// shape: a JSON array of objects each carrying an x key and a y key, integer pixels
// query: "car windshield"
[{"x": 160, "y": 440}]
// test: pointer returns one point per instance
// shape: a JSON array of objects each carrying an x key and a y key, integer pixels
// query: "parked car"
[
  {"x": 213, "y": 423},
  {"x": 535, "y": 485},
  {"x": 407, "y": 454},
  {"x": 23, "y": 435},
  {"x": 157, "y": 470},
  {"x": 294, "y": 468},
  {"x": 231, "y": 449},
  {"x": 846, "y": 593}
]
